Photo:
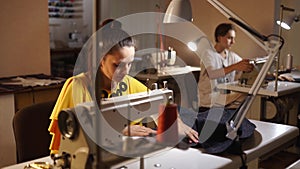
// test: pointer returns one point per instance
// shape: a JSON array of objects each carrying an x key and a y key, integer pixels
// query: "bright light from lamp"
[
  {"x": 283, "y": 25},
  {"x": 287, "y": 21},
  {"x": 192, "y": 46},
  {"x": 200, "y": 45}
]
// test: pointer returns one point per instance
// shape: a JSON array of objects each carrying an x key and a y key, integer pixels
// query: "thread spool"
[
  {"x": 289, "y": 62},
  {"x": 167, "y": 128}
]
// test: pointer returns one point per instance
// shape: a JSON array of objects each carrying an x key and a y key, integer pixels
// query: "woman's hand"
[
  {"x": 188, "y": 131},
  {"x": 138, "y": 130},
  {"x": 193, "y": 135}
]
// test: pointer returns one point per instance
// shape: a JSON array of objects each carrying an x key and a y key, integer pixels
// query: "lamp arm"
[
  {"x": 287, "y": 8},
  {"x": 234, "y": 124},
  {"x": 271, "y": 46},
  {"x": 245, "y": 27}
]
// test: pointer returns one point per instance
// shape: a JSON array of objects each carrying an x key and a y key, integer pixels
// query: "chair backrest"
[{"x": 30, "y": 126}]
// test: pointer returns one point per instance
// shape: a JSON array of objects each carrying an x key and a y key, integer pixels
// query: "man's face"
[
  {"x": 115, "y": 66},
  {"x": 228, "y": 40}
]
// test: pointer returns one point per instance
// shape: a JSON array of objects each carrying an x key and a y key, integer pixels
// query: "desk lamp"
[
  {"x": 271, "y": 44},
  {"x": 177, "y": 11},
  {"x": 287, "y": 21}
]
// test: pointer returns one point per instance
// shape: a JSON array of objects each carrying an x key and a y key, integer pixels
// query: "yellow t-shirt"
[{"x": 75, "y": 91}]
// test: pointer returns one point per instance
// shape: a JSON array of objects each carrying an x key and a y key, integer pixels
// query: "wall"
[
  {"x": 291, "y": 36},
  {"x": 24, "y": 49},
  {"x": 24, "y": 36},
  {"x": 260, "y": 15},
  {"x": 117, "y": 9},
  {"x": 206, "y": 18}
]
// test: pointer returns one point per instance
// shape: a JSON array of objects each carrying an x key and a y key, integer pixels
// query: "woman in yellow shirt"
[{"x": 114, "y": 79}]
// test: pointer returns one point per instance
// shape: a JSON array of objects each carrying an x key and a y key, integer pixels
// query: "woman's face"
[
  {"x": 116, "y": 65},
  {"x": 228, "y": 40}
]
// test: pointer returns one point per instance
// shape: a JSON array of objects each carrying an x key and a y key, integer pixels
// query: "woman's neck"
[{"x": 105, "y": 82}]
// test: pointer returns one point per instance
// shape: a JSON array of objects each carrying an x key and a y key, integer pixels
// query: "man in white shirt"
[{"x": 219, "y": 65}]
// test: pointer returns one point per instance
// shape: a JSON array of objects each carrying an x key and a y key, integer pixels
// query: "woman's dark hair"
[
  {"x": 112, "y": 23},
  {"x": 112, "y": 37},
  {"x": 222, "y": 29}
]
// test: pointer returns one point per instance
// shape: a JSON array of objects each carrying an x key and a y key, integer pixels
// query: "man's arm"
[{"x": 243, "y": 65}]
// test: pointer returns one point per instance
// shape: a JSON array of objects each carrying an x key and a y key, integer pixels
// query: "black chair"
[{"x": 30, "y": 126}]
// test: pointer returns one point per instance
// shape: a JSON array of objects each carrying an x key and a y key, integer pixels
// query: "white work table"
[
  {"x": 166, "y": 73},
  {"x": 257, "y": 110},
  {"x": 268, "y": 138},
  {"x": 283, "y": 88}
]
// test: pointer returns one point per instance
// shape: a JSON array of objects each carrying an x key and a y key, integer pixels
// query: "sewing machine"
[
  {"x": 92, "y": 139},
  {"x": 248, "y": 78}
]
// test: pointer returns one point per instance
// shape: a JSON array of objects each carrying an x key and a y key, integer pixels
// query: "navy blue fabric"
[{"x": 217, "y": 142}]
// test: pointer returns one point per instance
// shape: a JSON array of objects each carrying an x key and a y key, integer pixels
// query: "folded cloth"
[{"x": 211, "y": 125}]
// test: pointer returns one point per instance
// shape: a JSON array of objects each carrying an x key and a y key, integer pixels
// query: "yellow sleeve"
[
  {"x": 73, "y": 92},
  {"x": 64, "y": 100}
]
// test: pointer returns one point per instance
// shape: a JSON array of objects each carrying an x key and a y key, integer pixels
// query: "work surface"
[
  {"x": 283, "y": 88},
  {"x": 268, "y": 137},
  {"x": 166, "y": 73}
]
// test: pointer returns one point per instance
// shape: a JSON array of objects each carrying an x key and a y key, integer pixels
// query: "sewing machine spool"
[
  {"x": 289, "y": 62},
  {"x": 167, "y": 131}
]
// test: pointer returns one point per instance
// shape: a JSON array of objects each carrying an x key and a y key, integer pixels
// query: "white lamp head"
[
  {"x": 199, "y": 44},
  {"x": 287, "y": 21}
]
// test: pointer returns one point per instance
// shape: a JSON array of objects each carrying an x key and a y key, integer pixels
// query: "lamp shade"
[
  {"x": 287, "y": 21},
  {"x": 192, "y": 46},
  {"x": 178, "y": 11},
  {"x": 200, "y": 45}
]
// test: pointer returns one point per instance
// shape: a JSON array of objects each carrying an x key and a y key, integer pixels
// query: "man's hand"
[
  {"x": 286, "y": 77},
  {"x": 244, "y": 65}
]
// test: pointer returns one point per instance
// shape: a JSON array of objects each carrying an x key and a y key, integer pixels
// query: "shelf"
[{"x": 65, "y": 9}]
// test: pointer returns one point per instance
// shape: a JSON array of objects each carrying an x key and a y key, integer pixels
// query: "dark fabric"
[
  {"x": 211, "y": 125},
  {"x": 30, "y": 126},
  {"x": 203, "y": 109}
]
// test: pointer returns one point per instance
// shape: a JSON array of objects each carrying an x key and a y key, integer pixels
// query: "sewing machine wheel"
[
  {"x": 271, "y": 110},
  {"x": 67, "y": 124},
  {"x": 277, "y": 109}
]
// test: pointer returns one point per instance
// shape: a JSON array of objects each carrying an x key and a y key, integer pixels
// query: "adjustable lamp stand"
[
  {"x": 278, "y": 57},
  {"x": 271, "y": 46}
]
